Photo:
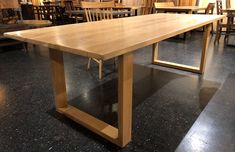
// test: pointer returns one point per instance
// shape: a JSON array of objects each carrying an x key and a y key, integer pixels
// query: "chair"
[
  {"x": 69, "y": 7},
  {"x": 147, "y": 7},
  {"x": 96, "y": 11},
  {"x": 209, "y": 11},
  {"x": 53, "y": 13},
  {"x": 221, "y": 24},
  {"x": 210, "y": 8},
  {"x": 228, "y": 3}
]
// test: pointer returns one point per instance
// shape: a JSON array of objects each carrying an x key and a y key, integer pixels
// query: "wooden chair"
[
  {"x": 228, "y": 3},
  {"x": 221, "y": 24},
  {"x": 210, "y": 8},
  {"x": 210, "y": 11},
  {"x": 147, "y": 7},
  {"x": 96, "y": 11},
  {"x": 10, "y": 15},
  {"x": 53, "y": 13},
  {"x": 69, "y": 7}
]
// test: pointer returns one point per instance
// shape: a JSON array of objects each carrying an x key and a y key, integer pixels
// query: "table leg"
[
  {"x": 129, "y": 14},
  {"x": 200, "y": 69},
  {"x": 58, "y": 78},
  {"x": 120, "y": 136},
  {"x": 205, "y": 45},
  {"x": 125, "y": 78},
  {"x": 136, "y": 12}
]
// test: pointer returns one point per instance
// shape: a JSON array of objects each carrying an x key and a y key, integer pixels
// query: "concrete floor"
[{"x": 167, "y": 102}]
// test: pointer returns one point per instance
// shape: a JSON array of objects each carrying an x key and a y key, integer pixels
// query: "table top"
[
  {"x": 229, "y": 10},
  {"x": 181, "y": 8},
  {"x": 127, "y": 7},
  {"x": 118, "y": 7},
  {"x": 111, "y": 38}
]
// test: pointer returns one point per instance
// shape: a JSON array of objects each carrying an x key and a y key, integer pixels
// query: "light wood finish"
[
  {"x": 154, "y": 52},
  {"x": 147, "y": 7},
  {"x": 96, "y": 11},
  {"x": 187, "y": 2},
  {"x": 228, "y": 3},
  {"x": 99, "y": 127},
  {"x": 185, "y": 9},
  {"x": 9, "y": 4},
  {"x": 105, "y": 40},
  {"x": 132, "y": 2},
  {"x": 120, "y": 136},
  {"x": 125, "y": 75},
  {"x": 127, "y": 7},
  {"x": 200, "y": 69},
  {"x": 164, "y": 4},
  {"x": 110, "y": 38},
  {"x": 206, "y": 40},
  {"x": 58, "y": 78}
]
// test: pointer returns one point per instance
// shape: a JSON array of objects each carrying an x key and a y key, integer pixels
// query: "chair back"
[
  {"x": 219, "y": 6},
  {"x": 210, "y": 8},
  {"x": 51, "y": 13},
  {"x": 10, "y": 15},
  {"x": 164, "y": 4},
  {"x": 147, "y": 7},
  {"x": 47, "y": 3},
  {"x": 68, "y": 5},
  {"x": 96, "y": 11},
  {"x": 228, "y": 3}
]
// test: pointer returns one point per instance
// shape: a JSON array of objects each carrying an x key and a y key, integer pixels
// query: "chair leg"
[
  {"x": 212, "y": 28},
  {"x": 89, "y": 64},
  {"x": 218, "y": 34},
  {"x": 100, "y": 69},
  {"x": 184, "y": 37},
  {"x": 115, "y": 63},
  {"x": 25, "y": 47}
]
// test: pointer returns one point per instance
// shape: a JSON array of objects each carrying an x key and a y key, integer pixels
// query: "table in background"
[
  {"x": 129, "y": 8},
  {"x": 181, "y": 9},
  {"x": 116, "y": 10},
  {"x": 82, "y": 12},
  {"x": 109, "y": 39}
]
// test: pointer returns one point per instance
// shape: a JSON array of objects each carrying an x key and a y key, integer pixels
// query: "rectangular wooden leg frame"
[
  {"x": 200, "y": 69},
  {"x": 120, "y": 136}
]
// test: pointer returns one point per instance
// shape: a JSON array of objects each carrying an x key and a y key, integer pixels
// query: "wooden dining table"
[
  {"x": 105, "y": 40},
  {"x": 180, "y": 9}
]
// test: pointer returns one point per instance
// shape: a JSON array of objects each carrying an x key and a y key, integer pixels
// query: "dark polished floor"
[{"x": 167, "y": 102}]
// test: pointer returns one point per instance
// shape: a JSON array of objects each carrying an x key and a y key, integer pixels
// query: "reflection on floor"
[
  {"x": 166, "y": 102},
  {"x": 214, "y": 130}
]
